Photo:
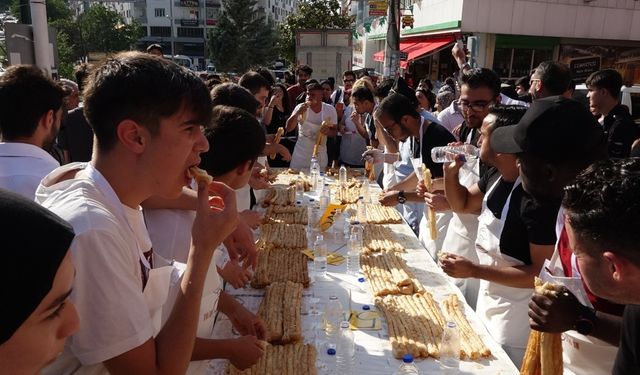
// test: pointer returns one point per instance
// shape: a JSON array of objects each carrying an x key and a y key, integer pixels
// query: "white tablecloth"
[{"x": 373, "y": 349}]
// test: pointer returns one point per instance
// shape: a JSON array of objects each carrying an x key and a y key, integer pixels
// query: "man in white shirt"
[
  {"x": 29, "y": 122},
  {"x": 147, "y": 114}
]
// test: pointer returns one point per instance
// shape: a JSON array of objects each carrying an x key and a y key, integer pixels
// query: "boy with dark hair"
[
  {"x": 147, "y": 114},
  {"x": 257, "y": 85},
  {"x": 30, "y": 114},
  {"x": 604, "y": 98},
  {"x": 232, "y": 94},
  {"x": 76, "y": 136}
]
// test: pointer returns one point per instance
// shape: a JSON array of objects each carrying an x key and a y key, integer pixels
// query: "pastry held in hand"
[
  {"x": 276, "y": 139},
  {"x": 200, "y": 175},
  {"x": 431, "y": 214}
]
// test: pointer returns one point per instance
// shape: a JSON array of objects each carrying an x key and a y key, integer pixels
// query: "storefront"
[
  {"x": 587, "y": 56},
  {"x": 515, "y": 56}
]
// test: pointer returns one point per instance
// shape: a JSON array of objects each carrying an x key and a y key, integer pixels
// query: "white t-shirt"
[
  {"x": 450, "y": 117},
  {"x": 22, "y": 167},
  {"x": 108, "y": 290},
  {"x": 326, "y": 110}
]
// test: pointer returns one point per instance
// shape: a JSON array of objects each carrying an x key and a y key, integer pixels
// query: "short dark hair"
[
  {"x": 151, "y": 47},
  {"x": 603, "y": 207},
  {"x": 362, "y": 93},
  {"x": 524, "y": 81},
  {"x": 396, "y": 106},
  {"x": 313, "y": 86},
  {"x": 384, "y": 88},
  {"x": 608, "y": 79},
  {"x": 506, "y": 114},
  {"x": 234, "y": 95},
  {"x": 26, "y": 94},
  {"x": 481, "y": 77},
  {"x": 235, "y": 136},
  {"x": 327, "y": 82},
  {"x": 555, "y": 77},
  {"x": 349, "y": 73},
  {"x": 431, "y": 97},
  {"x": 81, "y": 72},
  {"x": 267, "y": 75},
  {"x": 304, "y": 68},
  {"x": 143, "y": 88},
  {"x": 426, "y": 82},
  {"x": 254, "y": 81}
]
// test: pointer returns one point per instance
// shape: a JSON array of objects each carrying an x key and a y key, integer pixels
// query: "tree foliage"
[
  {"x": 98, "y": 29},
  {"x": 243, "y": 38},
  {"x": 311, "y": 14}
]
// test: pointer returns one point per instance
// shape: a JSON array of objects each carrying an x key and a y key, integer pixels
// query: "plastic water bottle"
[
  {"x": 361, "y": 210},
  {"x": 320, "y": 257},
  {"x": 325, "y": 197},
  {"x": 314, "y": 173},
  {"x": 332, "y": 318},
  {"x": 447, "y": 153},
  {"x": 345, "y": 350},
  {"x": 407, "y": 367},
  {"x": 338, "y": 226},
  {"x": 450, "y": 349},
  {"x": 342, "y": 175},
  {"x": 353, "y": 254},
  {"x": 365, "y": 191},
  {"x": 320, "y": 184},
  {"x": 356, "y": 234}
]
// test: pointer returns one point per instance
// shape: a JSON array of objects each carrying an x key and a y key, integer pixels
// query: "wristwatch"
[
  {"x": 401, "y": 197},
  {"x": 584, "y": 323}
]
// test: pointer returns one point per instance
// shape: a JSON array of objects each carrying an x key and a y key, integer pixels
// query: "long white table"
[{"x": 373, "y": 349}]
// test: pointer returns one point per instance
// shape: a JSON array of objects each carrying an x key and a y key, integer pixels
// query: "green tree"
[
  {"x": 311, "y": 14},
  {"x": 104, "y": 30},
  {"x": 242, "y": 38}
]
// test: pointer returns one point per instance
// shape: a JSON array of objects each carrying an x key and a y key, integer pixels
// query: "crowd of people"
[{"x": 118, "y": 255}]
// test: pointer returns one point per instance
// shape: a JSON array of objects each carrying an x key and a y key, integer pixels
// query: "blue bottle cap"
[
  {"x": 332, "y": 351},
  {"x": 366, "y": 307},
  {"x": 408, "y": 358},
  {"x": 361, "y": 279}
]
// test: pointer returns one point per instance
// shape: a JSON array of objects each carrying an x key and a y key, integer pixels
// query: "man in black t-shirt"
[{"x": 602, "y": 219}]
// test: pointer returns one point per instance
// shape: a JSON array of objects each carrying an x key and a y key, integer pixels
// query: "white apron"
[
  {"x": 461, "y": 234},
  {"x": 580, "y": 354},
  {"x": 301, "y": 158},
  {"x": 503, "y": 310}
]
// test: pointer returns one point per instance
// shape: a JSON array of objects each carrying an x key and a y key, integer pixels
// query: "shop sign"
[
  {"x": 377, "y": 8},
  {"x": 189, "y": 3},
  {"x": 583, "y": 67},
  {"x": 403, "y": 55},
  {"x": 189, "y": 22}
]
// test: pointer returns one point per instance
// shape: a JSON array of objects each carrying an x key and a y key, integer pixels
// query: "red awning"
[
  {"x": 418, "y": 50},
  {"x": 379, "y": 56}
]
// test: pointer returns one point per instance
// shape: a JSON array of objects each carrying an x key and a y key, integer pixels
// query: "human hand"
[
  {"x": 456, "y": 131},
  {"x": 257, "y": 180},
  {"x": 437, "y": 201},
  {"x": 240, "y": 245},
  {"x": 252, "y": 218},
  {"x": 245, "y": 352},
  {"x": 557, "y": 313},
  {"x": 457, "y": 266},
  {"x": 235, "y": 274},
  {"x": 459, "y": 54},
  {"x": 373, "y": 155},
  {"x": 247, "y": 323},
  {"x": 388, "y": 198},
  {"x": 216, "y": 209},
  {"x": 356, "y": 118},
  {"x": 283, "y": 152},
  {"x": 455, "y": 165}
]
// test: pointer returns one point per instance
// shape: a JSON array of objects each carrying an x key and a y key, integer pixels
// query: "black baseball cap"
[{"x": 553, "y": 128}]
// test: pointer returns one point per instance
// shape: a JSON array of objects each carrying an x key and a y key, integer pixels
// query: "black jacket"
[{"x": 620, "y": 131}]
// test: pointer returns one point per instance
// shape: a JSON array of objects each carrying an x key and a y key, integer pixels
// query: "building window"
[
  {"x": 190, "y": 32},
  {"x": 159, "y": 12},
  {"x": 513, "y": 63},
  {"x": 162, "y": 31}
]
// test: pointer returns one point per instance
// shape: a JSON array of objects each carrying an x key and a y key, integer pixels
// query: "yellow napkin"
[
  {"x": 326, "y": 221},
  {"x": 333, "y": 259}
]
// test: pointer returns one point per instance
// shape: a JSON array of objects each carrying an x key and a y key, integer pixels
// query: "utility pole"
[
  {"x": 392, "y": 48},
  {"x": 41, "y": 48}
]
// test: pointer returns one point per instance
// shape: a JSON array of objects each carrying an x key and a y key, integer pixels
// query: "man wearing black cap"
[
  {"x": 30, "y": 114},
  {"x": 148, "y": 139},
  {"x": 555, "y": 140},
  {"x": 37, "y": 316}
]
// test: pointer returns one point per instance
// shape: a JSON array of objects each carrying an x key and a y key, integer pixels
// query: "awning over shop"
[
  {"x": 416, "y": 50},
  {"x": 425, "y": 48}
]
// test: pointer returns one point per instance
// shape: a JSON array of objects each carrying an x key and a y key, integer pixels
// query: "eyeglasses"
[{"x": 475, "y": 106}]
